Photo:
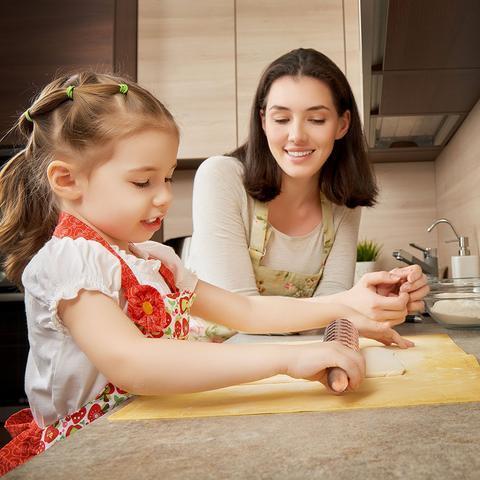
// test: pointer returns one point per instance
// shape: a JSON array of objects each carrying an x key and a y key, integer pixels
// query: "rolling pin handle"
[{"x": 337, "y": 379}]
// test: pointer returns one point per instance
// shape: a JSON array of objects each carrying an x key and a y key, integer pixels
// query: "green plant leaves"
[{"x": 368, "y": 250}]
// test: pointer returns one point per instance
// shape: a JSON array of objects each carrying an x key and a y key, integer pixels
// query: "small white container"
[
  {"x": 361, "y": 268},
  {"x": 465, "y": 266}
]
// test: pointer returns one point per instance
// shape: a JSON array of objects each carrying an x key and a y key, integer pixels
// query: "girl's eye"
[
  {"x": 142, "y": 184},
  {"x": 280, "y": 120},
  {"x": 318, "y": 121}
]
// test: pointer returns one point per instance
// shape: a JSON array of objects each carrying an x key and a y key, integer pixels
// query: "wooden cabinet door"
[
  {"x": 42, "y": 39},
  {"x": 270, "y": 28},
  {"x": 186, "y": 53}
]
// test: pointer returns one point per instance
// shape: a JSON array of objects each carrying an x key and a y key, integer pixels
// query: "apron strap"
[
  {"x": 260, "y": 232},
  {"x": 328, "y": 228}
]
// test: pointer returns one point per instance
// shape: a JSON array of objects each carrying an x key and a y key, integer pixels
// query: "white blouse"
[{"x": 59, "y": 377}]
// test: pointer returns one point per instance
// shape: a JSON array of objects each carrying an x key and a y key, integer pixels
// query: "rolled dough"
[{"x": 381, "y": 362}]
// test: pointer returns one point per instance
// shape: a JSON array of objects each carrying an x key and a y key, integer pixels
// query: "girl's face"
[
  {"x": 301, "y": 125},
  {"x": 126, "y": 197}
]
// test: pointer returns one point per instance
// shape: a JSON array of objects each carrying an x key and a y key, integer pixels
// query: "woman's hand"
[
  {"x": 381, "y": 307},
  {"x": 312, "y": 360},
  {"x": 412, "y": 281}
]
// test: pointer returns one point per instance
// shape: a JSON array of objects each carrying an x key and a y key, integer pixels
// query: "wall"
[
  {"x": 405, "y": 208},
  {"x": 178, "y": 222},
  {"x": 457, "y": 175}
]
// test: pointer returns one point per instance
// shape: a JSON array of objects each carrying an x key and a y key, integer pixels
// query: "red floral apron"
[{"x": 154, "y": 315}]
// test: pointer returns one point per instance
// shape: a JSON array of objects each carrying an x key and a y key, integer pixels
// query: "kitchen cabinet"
[
  {"x": 41, "y": 39},
  {"x": 13, "y": 347},
  {"x": 204, "y": 59},
  {"x": 186, "y": 57}
]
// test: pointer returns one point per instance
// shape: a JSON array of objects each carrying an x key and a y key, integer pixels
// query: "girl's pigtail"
[{"x": 27, "y": 218}]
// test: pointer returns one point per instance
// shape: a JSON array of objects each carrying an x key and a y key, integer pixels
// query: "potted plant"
[{"x": 367, "y": 254}]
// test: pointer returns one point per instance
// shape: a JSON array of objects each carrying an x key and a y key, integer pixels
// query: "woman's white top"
[
  {"x": 222, "y": 224},
  {"x": 59, "y": 377}
]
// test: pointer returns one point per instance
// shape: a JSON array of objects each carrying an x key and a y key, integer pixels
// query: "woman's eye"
[
  {"x": 280, "y": 120},
  {"x": 142, "y": 184},
  {"x": 318, "y": 121}
]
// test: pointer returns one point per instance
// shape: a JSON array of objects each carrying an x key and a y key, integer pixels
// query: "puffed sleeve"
[
  {"x": 65, "y": 266},
  {"x": 184, "y": 278}
]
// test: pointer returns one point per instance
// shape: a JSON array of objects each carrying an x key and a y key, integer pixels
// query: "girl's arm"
[
  {"x": 262, "y": 314},
  {"x": 143, "y": 365}
]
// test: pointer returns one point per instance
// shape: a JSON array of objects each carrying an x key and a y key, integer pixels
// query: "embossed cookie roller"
[{"x": 343, "y": 331}]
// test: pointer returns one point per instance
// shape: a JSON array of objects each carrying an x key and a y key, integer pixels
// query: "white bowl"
[{"x": 455, "y": 303}]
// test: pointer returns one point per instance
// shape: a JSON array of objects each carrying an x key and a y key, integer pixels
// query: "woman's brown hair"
[
  {"x": 96, "y": 112},
  {"x": 346, "y": 178}
]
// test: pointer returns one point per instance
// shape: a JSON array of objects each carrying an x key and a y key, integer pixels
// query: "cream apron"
[
  {"x": 281, "y": 282},
  {"x": 270, "y": 281}
]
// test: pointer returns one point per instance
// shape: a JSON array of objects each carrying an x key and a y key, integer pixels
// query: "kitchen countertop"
[{"x": 423, "y": 442}]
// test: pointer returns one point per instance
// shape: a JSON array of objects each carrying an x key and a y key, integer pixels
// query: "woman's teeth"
[
  {"x": 151, "y": 220},
  {"x": 300, "y": 154}
]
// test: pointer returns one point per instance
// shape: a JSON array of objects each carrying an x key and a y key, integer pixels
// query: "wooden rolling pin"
[{"x": 343, "y": 331}]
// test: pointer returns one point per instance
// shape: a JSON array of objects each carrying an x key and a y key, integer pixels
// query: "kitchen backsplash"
[{"x": 457, "y": 174}]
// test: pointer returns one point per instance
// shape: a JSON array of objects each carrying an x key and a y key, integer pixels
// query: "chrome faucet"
[{"x": 429, "y": 264}]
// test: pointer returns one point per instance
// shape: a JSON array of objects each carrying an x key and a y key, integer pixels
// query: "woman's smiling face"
[{"x": 301, "y": 124}]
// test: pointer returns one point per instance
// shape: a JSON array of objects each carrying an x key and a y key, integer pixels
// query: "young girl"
[{"x": 79, "y": 204}]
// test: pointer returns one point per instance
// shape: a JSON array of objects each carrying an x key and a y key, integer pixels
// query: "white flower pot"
[{"x": 363, "y": 267}]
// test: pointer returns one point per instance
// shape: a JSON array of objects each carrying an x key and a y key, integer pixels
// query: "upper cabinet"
[
  {"x": 42, "y": 39},
  {"x": 421, "y": 71},
  {"x": 204, "y": 59},
  {"x": 186, "y": 57}
]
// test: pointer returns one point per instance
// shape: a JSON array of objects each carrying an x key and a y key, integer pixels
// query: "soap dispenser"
[{"x": 464, "y": 265}]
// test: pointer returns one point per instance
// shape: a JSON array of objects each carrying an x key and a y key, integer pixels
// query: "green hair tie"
[
  {"x": 70, "y": 92},
  {"x": 123, "y": 88},
  {"x": 26, "y": 114}
]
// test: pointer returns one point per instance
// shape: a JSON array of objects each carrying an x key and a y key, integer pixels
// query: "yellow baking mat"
[{"x": 437, "y": 371}]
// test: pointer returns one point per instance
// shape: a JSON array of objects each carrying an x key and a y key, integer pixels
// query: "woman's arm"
[
  {"x": 340, "y": 265},
  {"x": 219, "y": 249},
  {"x": 148, "y": 366}
]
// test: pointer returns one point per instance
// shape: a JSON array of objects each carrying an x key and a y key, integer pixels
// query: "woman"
[{"x": 280, "y": 215}]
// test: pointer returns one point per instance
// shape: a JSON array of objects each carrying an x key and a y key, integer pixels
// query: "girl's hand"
[
  {"x": 311, "y": 362},
  {"x": 381, "y": 307}
]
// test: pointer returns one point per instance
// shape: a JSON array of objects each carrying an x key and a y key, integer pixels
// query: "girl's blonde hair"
[{"x": 96, "y": 111}]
